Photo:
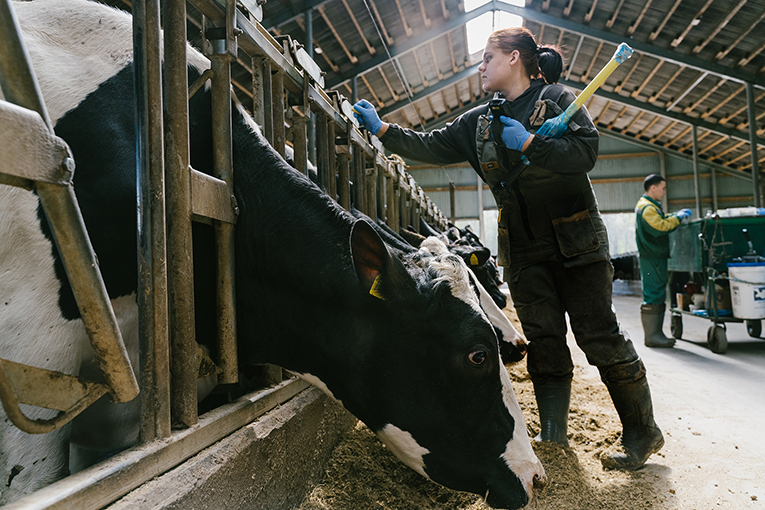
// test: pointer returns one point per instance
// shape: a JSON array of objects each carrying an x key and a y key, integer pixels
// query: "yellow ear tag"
[
  {"x": 473, "y": 260},
  {"x": 499, "y": 216},
  {"x": 375, "y": 286}
]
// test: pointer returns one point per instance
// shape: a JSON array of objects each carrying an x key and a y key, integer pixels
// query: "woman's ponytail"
[{"x": 550, "y": 62}]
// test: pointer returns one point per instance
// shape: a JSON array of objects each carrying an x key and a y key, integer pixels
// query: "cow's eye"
[{"x": 477, "y": 357}]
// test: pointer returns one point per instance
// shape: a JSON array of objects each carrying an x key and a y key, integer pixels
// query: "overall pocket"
[{"x": 573, "y": 226}]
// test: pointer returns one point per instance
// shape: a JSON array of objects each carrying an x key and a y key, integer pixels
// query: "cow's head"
[{"x": 428, "y": 376}]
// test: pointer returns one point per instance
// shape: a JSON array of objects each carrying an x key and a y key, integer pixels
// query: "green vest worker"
[
  {"x": 652, "y": 228},
  {"x": 552, "y": 240}
]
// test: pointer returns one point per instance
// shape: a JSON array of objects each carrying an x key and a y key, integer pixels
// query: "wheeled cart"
[{"x": 700, "y": 252}]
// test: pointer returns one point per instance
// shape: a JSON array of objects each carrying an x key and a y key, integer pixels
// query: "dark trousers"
[{"x": 543, "y": 293}]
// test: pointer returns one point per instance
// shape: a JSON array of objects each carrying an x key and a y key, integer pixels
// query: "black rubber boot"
[
  {"x": 652, "y": 317},
  {"x": 631, "y": 395},
  {"x": 553, "y": 397}
]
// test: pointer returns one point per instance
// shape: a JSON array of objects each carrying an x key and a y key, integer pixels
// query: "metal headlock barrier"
[{"x": 287, "y": 88}]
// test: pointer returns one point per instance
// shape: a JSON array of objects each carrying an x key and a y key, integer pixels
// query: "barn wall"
[{"x": 270, "y": 464}]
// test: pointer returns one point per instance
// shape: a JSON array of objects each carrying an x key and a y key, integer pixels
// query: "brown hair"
[{"x": 545, "y": 60}]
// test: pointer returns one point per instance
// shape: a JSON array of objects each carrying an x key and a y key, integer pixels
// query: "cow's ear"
[
  {"x": 373, "y": 262},
  {"x": 479, "y": 256}
]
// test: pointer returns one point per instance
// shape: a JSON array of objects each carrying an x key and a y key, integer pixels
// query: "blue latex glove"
[
  {"x": 684, "y": 214},
  {"x": 514, "y": 135},
  {"x": 366, "y": 114}
]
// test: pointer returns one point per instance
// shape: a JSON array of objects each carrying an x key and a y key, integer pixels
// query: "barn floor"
[{"x": 711, "y": 408}]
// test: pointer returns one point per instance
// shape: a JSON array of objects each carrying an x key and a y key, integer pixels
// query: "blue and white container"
[{"x": 747, "y": 289}]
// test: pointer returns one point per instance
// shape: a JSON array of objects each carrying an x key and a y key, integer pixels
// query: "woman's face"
[{"x": 495, "y": 69}]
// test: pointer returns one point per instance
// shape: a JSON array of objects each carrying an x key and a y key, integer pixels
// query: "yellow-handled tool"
[{"x": 555, "y": 127}]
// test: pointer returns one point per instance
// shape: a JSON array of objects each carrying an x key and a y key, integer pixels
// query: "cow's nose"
[{"x": 539, "y": 481}]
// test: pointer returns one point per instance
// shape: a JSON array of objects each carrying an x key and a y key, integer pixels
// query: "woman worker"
[{"x": 552, "y": 239}]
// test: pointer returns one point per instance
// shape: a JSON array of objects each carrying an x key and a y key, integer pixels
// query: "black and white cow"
[{"x": 403, "y": 345}]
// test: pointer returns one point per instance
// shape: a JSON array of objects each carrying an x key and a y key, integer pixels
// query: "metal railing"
[
  {"x": 288, "y": 94},
  {"x": 37, "y": 159}
]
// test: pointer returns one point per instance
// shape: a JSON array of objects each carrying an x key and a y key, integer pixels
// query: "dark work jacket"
[{"x": 550, "y": 212}]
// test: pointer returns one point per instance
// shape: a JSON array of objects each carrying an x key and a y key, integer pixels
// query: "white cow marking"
[
  {"x": 319, "y": 384},
  {"x": 404, "y": 446}
]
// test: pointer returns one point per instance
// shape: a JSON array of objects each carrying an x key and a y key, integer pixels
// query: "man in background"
[{"x": 652, "y": 228}]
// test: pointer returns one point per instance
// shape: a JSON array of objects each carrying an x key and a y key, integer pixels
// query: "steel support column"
[
  {"x": 696, "y": 171},
  {"x": 753, "y": 144}
]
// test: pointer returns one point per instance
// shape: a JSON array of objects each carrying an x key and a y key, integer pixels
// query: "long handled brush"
[{"x": 555, "y": 127}]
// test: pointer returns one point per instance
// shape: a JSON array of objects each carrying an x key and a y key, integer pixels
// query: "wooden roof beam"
[
  {"x": 698, "y": 139},
  {"x": 446, "y": 103},
  {"x": 589, "y": 14},
  {"x": 648, "y": 126},
  {"x": 728, "y": 150},
  {"x": 683, "y": 133},
  {"x": 723, "y": 102},
  {"x": 664, "y": 131},
  {"x": 425, "y": 17},
  {"x": 380, "y": 23},
  {"x": 633, "y": 121},
  {"x": 667, "y": 83},
  {"x": 371, "y": 49},
  {"x": 694, "y": 22},
  {"x": 432, "y": 108},
  {"x": 407, "y": 28},
  {"x": 387, "y": 84},
  {"x": 455, "y": 70},
  {"x": 749, "y": 165},
  {"x": 350, "y": 56},
  {"x": 658, "y": 29},
  {"x": 626, "y": 79},
  {"x": 444, "y": 11},
  {"x": 720, "y": 55},
  {"x": 435, "y": 61},
  {"x": 612, "y": 19},
  {"x": 472, "y": 92},
  {"x": 713, "y": 144},
  {"x": 635, "y": 24},
  {"x": 637, "y": 91},
  {"x": 722, "y": 24},
  {"x": 576, "y": 54},
  {"x": 602, "y": 113},
  {"x": 706, "y": 95},
  {"x": 750, "y": 56},
  {"x": 567, "y": 9},
  {"x": 671, "y": 104},
  {"x": 380, "y": 104},
  {"x": 738, "y": 112},
  {"x": 586, "y": 75},
  {"x": 425, "y": 82},
  {"x": 301, "y": 23},
  {"x": 616, "y": 119}
]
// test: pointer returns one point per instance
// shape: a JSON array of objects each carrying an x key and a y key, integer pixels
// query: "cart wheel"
[
  {"x": 716, "y": 339},
  {"x": 676, "y": 326},
  {"x": 754, "y": 328}
]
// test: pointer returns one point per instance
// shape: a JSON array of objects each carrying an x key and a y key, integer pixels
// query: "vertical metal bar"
[
  {"x": 267, "y": 105},
  {"x": 19, "y": 85},
  {"x": 184, "y": 367},
  {"x": 18, "y": 79},
  {"x": 223, "y": 163},
  {"x": 696, "y": 171},
  {"x": 713, "y": 179},
  {"x": 344, "y": 192},
  {"x": 258, "y": 110},
  {"x": 753, "y": 143},
  {"x": 452, "y": 192},
  {"x": 300, "y": 143},
  {"x": 309, "y": 49},
  {"x": 277, "y": 111},
  {"x": 390, "y": 201},
  {"x": 330, "y": 179},
  {"x": 153, "y": 337},
  {"x": 354, "y": 89},
  {"x": 370, "y": 183}
]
